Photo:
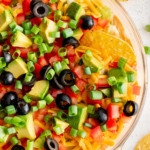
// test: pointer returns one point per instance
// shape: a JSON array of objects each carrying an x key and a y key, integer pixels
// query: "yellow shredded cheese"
[{"x": 39, "y": 124}]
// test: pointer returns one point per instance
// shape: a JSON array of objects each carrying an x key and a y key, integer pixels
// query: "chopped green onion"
[
  {"x": 54, "y": 34},
  {"x": 46, "y": 133},
  {"x": 12, "y": 25},
  {"x": 8, "y": 120},
  {"x": 44, "y": 20},
  {"x": 2, "y": 113},
  {"x": 30, "y": 66},
  {"x": 122, "y": 62},
  {"x": 147, "y": 28},
  {"x": 80, "y": 63},
  {"x": 96, "y": 95},
  {"x": 34, "y": 108},
  {"x": 41, "y": 104},
  {"x": 57, "y": 15},
  {"x": 16, "y": 54},
  {"x": 94, "y": 69},
  {"x": 90, "y": 87},
  {"x": 73, "y": 110},
  {"x": 47, "y": 118},
  {"x": 64, "y": 66},
  {"x": 49, "y": 98},
  {"x": 14, "y": 140},
  {"x": 62, "y": 115},
  {"x": 18, "y": 85},
  {"x": 27, "y": 25},
  {"x": 3, "y": 35},
  {"x": 66, "y": 60},
  {"x": 95, "y": 116},
  {"x": 87, "y": 71},
  {"x": 107, "y": 92},
  {"x": 43, "y": 48},
  {"x": 27, "y": 99},
  {"x": 82, "y": 133},
  {"x": 35, "y": 30},
  {"x": 28, "y": 77},
  {"x": 53, "y": 1},
  {"x": 10, "y": 109},
  {"x": 2, "y": 62},
  {"x": 27, "y": 32},
  {"x": 147, "y": 50},
  {"x": 58, "y": 129},
  {"x": 73, "y": 132},
  {"x": 88, "y": 55},
  {"x": 30, "y": 145},
  {"x": 73, "y": 24},
  {"x": 116, "y": 100},
  {"x": 38, "y": 39},
  {"x": 5, "y": 47},
  {"x": 18, "y": 121},
  {"x": 17, "y": 27},
  {"x": 62, "y": 52},
  {"x": 11, "y": 130},
  {"x": 104, "y": 128},
  {"x": 88, "y": 125},
  {"x": 67, "y": 32},
  {"x": 61, "y": 24},
  {"x": 75, "y": 89},
  {"x": 49, "y": 48},
  {"x": 57, "y": 67},
  {"x": 121, "y": 87},
  {"x": 50, "y": 74},
  {"x": 112, "y": 80},
  {"x": 91, "y": 109},
  {"x": 32, "y": 56},
  {"x": 130, "y": 76}
]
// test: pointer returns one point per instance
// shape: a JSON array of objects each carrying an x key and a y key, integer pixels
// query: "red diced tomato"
[
  {"x": 136, "y": 89},
  {"x": 124, "y": 118},
  {"x": 52, "y": 105},
  {"x": 111, "y": 125},
  {"x": 78, "y": 70},
  {"x": 113, "y": 111},
  {"x": 2, "y": 122},
  {"x": 113, "y": 64},
  {"x": 96, "y": 133},
  {"x": 93, "y": 122},
  {"x": 54, "y": 59},
  {"x": 45, "y": 1},
  {"x": 70, "y": 51},
  {"x": 26, "y": 6},
  {"x": 55, "y": 92},
  {"x": 6, "y": 146},
  {"x": 42, "y": 61},
  {"x": 93, "y": 102},
  {"x": 0, "y": 50},
  {"x": 36, "y": 21},
  {"x": 24, "y": 52},
  {"x": 53, "y": 7},
  {"x": 102, "y": 82},
  {"x": 62, "y": 147},
  {"x": 72, "y": 59},
  {"x": 38, "y": 130},
  {"x": 81, "y": 84},
  {"x": 102, "y": 22},
  {"x": 20, "y": 18},
  {"x": 56, "y": 137},
  {"x": 37, "y": 69},
  {"x": 6, "y": 2}
]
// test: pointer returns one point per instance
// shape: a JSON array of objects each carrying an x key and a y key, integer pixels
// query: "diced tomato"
[
  {"x": 56, "y": 137},
  {"x": 6, "y": 146},
  {"x": 93, "y": 122},
  {"x": 38, "y": 130},
  {"x": 26, "y": 6},
  {"x": 70, "y": 50},
  {"x": 102, "y": 82},
  {"x": 53, "y": 7},
  {"x": 102, "y": 22},
  {"x": 24, "y": 52},
  {"x": 113, "y": 111},
  {"x": 72, "y": 59},
  {"x": 124, "y": 118},
  {"x": 42, "y": 61},
  {"x": 6, "y": 2},
  {"x": 0, "y": 50},
  {"x": 113, "y": 64},
  {"x": 81, "y": 84},
  {"x": 62, "y": 147},
  {"x": 136, "y": 89},
  {"x": 45, "y": 1},
  {"x": 2, "y": 122},
  {"x": 36, "y": 21},
  {"x": 111, "y": 125},
  {"x": 37, "y": 70},
  {"x": 24, "y": 142},
  {"x": 52, "y": 105},
  {"x": 54, "y": 59},
  {"x": 96, "y": 133},
  {"x": 93, "y": 102},
  {"x": 78, "y": 70},
  {"x": 55, "y": 92},
  {"x": 20, "y": 18}
]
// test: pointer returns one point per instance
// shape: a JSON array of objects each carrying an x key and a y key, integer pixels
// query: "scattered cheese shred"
[{"x": 39, "y": 124}]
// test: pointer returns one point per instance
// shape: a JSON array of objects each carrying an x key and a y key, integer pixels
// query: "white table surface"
[{"x": 139, "y": 10}]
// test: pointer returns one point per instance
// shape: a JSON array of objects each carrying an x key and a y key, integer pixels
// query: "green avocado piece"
[
  {"x": 39, "y": 90},
  {"x": 75, "y": 11},
  {"x": 5, "y": 19},
  {"x": 28, "y": 130},
  {"x": 78, "y": 120},
  {"x": 107, "y": 92},
  {"x": 77, "y": 33},
  {"x": 17, "y": 67},
  {"x": 45, "y": 29},
  {"x": 63, "y": 124},
  {"x": 20, "y": 40},
  {"x": 3, "y": 135},
  {"x": 39, "y": 142}
]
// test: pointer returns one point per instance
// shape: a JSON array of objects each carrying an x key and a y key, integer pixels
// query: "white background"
[{"x": 139, "y": 10}]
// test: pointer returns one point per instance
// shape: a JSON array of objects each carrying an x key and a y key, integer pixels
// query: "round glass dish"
[{"x": 132, "y": 33}]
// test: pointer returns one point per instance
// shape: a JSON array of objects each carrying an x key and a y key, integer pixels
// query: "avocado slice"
[
  {"x": 39, "y": 90},
  {"x": 39, "y": 142},
  {"x": 63, "y": 124},
  {"x": 20, "y": 40},
  {"x": 5, "y": 19},
  {"x": 27, "y": 131},
  {"x": 17, "y": 67},
  {"x": 45, "y": 29},
  {"x": 77, "y": 33},
  {"x": 3, "y": 135},
  {"x": 78, "y": 120}
]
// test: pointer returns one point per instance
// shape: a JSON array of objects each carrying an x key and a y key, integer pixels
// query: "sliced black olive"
[
  {"x": 22, "y": 107},
  {"x": 10, "y": 98},
  {"x": 7, "y": 56},
  {"x": 31, "y": 83},
  {"x": 44, "y": 70},
  {"x": 17, "y": 147},
  {"x": 51, "y": 144},
  {"x": 87, "y": 22},
  {"x": 40, "y": 10},
  {"x": 102, "y": 115},
  {"x": 70, "y": 41},
  {"x": 6, "y": 78},
  {"x": 32, "y": 4},
  {"x": 56, "y": 83},
  {"x": 130, "y": 108},
  {"x": 67, "y": 77},
  {"x": 63, "y": 101}
]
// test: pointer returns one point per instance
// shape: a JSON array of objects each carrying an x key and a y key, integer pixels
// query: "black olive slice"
[
  {"x": 10, "y": 98},
  {"x": 17, "y": 147},
  {"x": 31, "y": 83},
  {"x": 6, "y": 78},
  {"x": 51, "y": 144},
  {"x": 32, "y": 4},
  {"x": 56, "y": 83},
  {"x": 87, "y": 22},
  {"x": 70, "y": 41},
  {"x": 7, "y": 56},
  {"x": 22, "y": 107},
  {"x": 63, "y": 101},
  {"x": 130, "y": 108},
  {"x": 67, "y": 77},
  {"x": 44, "y": 70},
  {"x": 102, "y": 115},
  {"x": 40, "y": 10}
]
